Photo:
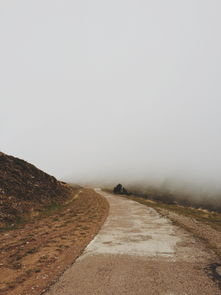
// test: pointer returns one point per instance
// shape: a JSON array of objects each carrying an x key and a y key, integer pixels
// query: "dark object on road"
[{"x": 119, "y": 189}]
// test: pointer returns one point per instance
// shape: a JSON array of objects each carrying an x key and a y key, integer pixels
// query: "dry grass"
[
  {"x": 210, "y": 218},
  {"x": 35, "y": 253}
]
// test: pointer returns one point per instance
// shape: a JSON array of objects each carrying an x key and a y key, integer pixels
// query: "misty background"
[{"x": 114, "y": 91}]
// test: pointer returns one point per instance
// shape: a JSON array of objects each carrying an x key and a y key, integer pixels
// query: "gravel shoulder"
[{"x": 138, "y": 251}]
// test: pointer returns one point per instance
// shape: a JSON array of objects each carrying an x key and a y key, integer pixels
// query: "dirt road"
[{"x": 139, "y": 252}]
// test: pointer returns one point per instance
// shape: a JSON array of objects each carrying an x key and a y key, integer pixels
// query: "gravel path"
[{"x": 139, "y": 252}]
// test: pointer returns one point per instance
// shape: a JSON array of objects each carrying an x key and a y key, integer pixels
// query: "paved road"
[{"x": 139, "y": 252}]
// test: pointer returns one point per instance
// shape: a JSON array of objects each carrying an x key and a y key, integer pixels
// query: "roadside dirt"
[
  {"x": 139, "y": 252},
  {"x": 205, "y": 232},
  {"x": 33, "y": 256}
]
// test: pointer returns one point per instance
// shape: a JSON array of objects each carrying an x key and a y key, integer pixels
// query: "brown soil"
[
  {"x": 33, "y": 256},
  {"x": 25, "y": 189}
]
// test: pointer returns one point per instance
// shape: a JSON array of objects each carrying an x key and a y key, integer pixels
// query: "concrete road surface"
[{"x": 139, "y": 252}]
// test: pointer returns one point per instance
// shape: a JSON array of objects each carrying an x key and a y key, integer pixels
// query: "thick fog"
[{"x": 114, "y": 91}]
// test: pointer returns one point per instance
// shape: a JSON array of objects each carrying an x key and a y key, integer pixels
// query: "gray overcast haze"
[{"x": 121, "y": 90}]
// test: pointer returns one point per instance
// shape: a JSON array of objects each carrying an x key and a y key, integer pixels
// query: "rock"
[
  {"x": 218, "y": 270},
  {"x": 119, "y": 189}
]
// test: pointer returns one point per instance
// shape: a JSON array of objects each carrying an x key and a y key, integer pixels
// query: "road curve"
[{"x": 139, "y": 252}]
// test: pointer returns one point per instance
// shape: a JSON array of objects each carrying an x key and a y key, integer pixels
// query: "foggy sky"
[{"x": 119, "y": 90}]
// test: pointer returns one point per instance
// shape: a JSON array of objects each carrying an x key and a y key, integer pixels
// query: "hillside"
[
  {"x": 24, "y": 189},
  {"x": 45, "y": 225}
]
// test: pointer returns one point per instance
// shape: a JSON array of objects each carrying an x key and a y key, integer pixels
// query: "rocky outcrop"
[{"x": 119, "y": 189}]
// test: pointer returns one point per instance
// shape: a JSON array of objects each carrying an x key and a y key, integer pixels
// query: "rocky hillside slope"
[{"x": 24, "y": 189}]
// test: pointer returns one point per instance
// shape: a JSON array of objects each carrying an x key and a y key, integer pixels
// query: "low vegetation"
[
  {"x": 25, "y": 191},
  {"x": 44, "y": 226},
  {"x": 166, "y": 196},
  {"x": 35, "y": 253}
]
